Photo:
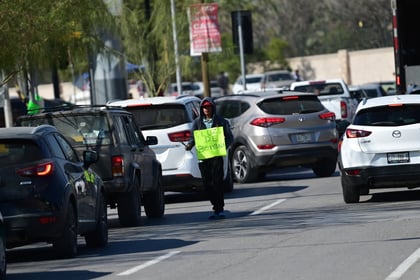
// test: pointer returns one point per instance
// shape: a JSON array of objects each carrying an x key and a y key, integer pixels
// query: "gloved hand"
[{"x": 188, "y": 147}]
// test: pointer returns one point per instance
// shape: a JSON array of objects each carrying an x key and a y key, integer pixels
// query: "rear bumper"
[
  {"x": 398, "y": 176},
  {"x": 297, "y": 157},
  {"x": 181, "y": 183}
]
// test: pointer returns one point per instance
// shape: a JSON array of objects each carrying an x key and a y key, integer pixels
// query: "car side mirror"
[
  {"x": 151, "y": 140},
  {"x": 89, "y": 157}
]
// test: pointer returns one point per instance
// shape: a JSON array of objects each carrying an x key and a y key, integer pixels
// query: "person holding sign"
[{"x": 211, "y": 137}]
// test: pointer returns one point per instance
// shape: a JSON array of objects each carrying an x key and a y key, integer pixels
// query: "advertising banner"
[{"x": 204, "y": 29}]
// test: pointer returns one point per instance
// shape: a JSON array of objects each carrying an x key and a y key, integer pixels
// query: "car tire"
[
  {"x": 243, "y": 167},
  {"x": 154, "y": 201},
  {"x": 3, "y": 262},
  {"x": 99, "y": 237},
  {"x": 66, "y": 245},
  {"x": 325, "y": 167},
  {"x": 129, "y": 206},
  {"x": 351, "y": 193}
]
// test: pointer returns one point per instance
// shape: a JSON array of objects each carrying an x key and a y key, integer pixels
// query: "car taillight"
[
  {"x": 117, "y": 163},
  {"x": 343, "y": 107},
  {"x": 357, "y": 133},
  {"x": 266, "y": 122},
  {"x": 181, "y": 136},
  {"x": 353, "y": 172},
  {"x": 327, "y": 116},
  {"x": 39, "y": 170},
  {"x": 265, "y": 146}
]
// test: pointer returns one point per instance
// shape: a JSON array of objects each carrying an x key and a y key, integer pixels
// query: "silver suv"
[{"x": 275, "y": 129}]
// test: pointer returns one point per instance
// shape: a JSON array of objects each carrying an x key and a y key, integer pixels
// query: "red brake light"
[
  {"x": 353, "y": 172},
  {"x": 140, "y": 104},
  {"x": 357, "y": 133},
  {"x": 117, "y": 165},
  {"x": 42, "y": 169},
  {"x": 343, "y": 107},
  {"x": 181, "y": 136},
  {"x": 266, "y": 122},
  {"x": 266, "y": 146},
  {"x": 290, "y": 97},
  {"x": 327, "y": 116}
]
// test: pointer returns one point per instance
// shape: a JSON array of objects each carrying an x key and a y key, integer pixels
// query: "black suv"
[{"x": 128, "y": 167}]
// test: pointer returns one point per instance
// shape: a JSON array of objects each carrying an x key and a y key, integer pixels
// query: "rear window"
[
  {"x": 321, "y": 89},
  {"x": 291, "y": 105},
  {"x": 388, "y": 115},
  {"x": 279, "y": 77},
  {"x": 78, "y": 129},
  {"x": 159, "y": 116},
  {"x": 16, "y": 152}
]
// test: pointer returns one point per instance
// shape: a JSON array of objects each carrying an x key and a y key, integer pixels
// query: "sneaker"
[{"x": 213, "y": 216}]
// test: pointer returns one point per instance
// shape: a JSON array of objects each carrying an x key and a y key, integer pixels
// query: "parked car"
[
  {"x": 170, "y": 119},
  {"x": 3, "y": 259},
  {"x": 252, "y": 81},
  {"x": 187, "y": 89},
  {"x": 373, "y": 90},
  {"x": 215, "y": 90},
  {"x": 380, "y": 149},
  {"x": 47, "y": 194},
  {"x": 278, "y": 79},
  {"x": 128, "y": 166},
  {"x": 273, "y": 130}
]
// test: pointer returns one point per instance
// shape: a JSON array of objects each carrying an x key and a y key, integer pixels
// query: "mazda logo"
[{"x": 396, "y": 134}]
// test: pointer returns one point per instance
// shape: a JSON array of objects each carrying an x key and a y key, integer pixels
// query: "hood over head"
[{"x": 207, "y": 101}]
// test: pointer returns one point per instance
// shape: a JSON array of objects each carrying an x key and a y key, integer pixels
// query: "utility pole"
[
  {"x": 205, "y": 71},
  {"x": 175, "y": 36}
]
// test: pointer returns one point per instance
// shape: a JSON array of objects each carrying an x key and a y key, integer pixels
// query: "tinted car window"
[
  {"x": 291, "y": 105},
  {"x": 324, "y": 89},
  {"x": 388, "y": 115},
  {"x": 18, "y": 152},
  {"x": 232, "y": 109},
  {"x": 80, "y": 129},
  {"x": 67, "y": 149},
  {"x": 162, "y": 116}
]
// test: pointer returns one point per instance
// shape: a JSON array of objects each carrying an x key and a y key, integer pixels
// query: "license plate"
[
  {"x": 398, "y": 157},
  {"x": 303, "y": 137}
]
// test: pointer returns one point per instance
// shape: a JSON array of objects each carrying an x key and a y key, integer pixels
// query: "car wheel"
[
  {"x": 243, "y": 170},
  {"x": 66, "y": 245},
  {"x": 325, "y": 167},
  {"x": 154, "y": 201},
  {"x": 3, "y": 263},
  {"x": 99, "y": 237},
  {"x": 129, "y": 206},
  {"x": 351, "y": 193}
]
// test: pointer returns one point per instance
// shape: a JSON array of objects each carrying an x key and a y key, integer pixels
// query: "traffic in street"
[{"x": 290, "y": 225}]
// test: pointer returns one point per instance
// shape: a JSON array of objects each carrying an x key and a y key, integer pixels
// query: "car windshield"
[
  {"x": 17, "y": 151},
  {"x": 321, "y": 88},
  {"x": 389, "y": 115},
  {"x": 291, "y": 105},
  {"x": 79, "y": 129},
  {"x": 159, "y": 116},
  {"x": 279, "y": 77}
]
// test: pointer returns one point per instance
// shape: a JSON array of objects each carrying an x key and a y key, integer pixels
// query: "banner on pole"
[{"x": 204, "y": 29}]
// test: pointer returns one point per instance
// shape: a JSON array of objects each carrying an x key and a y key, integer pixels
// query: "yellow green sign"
[{"x": 210, "y": 142}]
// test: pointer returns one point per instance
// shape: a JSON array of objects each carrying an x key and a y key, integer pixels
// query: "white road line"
[
  {"x": 404, "y": 266},
  {"x": 259, "y": 211},
  {"x": 147, "y": 264}
]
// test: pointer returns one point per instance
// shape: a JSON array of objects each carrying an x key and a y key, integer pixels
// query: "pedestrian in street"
[{"x": 212, "y": 168}]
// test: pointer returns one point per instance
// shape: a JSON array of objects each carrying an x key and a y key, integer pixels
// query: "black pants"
[{"x": 212, "y": 175}]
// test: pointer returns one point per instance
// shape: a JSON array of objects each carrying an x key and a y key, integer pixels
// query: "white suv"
[
  {"x": 170, "y": 119},
  {"x": 381, "y": 148}
]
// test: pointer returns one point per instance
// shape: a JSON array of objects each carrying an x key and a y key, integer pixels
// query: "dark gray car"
[{"x": 274, "y": 130}]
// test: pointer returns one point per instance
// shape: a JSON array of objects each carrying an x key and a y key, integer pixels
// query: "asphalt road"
[{"x": 292, "y": 225}]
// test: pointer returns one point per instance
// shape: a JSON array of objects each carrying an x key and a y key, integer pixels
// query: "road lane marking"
[
  {"x": 262, "y": 209},
  {"x": 149, "y": 263},
  {"x": 404, "y": 266}
]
